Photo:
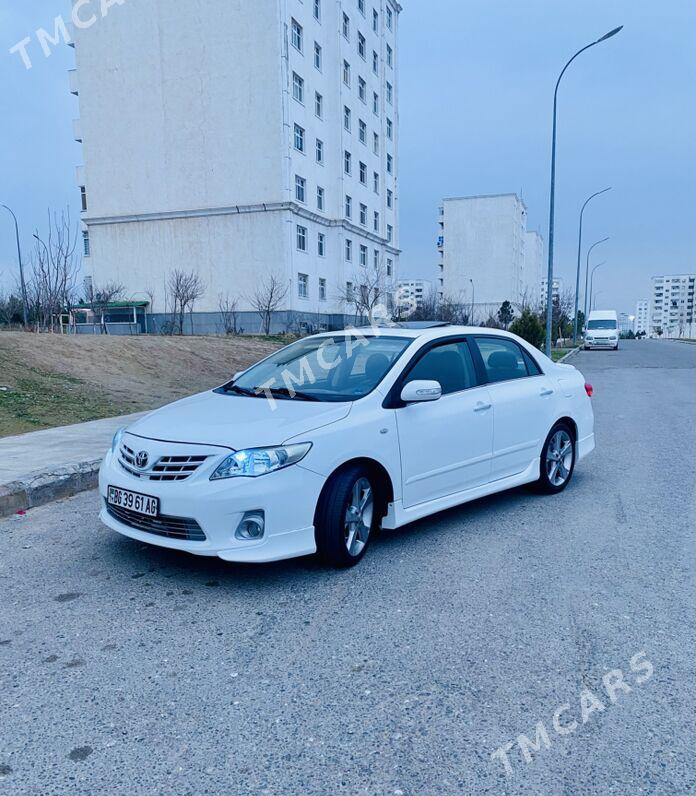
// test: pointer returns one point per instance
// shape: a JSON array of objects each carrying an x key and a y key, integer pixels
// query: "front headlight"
[
  {"x": 253, "y": 462},
  {"x": 116, "y": 441}
]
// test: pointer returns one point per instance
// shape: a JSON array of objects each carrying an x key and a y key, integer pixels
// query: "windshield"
[
  {"x": 608, "y": 324},
  {"x": 341, "y": 368}
]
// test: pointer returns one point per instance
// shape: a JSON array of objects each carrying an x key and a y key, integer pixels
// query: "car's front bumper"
[
  {"x": 602, "y": 343},
  {"x": 288, "y": 499}
]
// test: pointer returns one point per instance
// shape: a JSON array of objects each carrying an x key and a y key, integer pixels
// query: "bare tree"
[
  {"x": 100, "y": 298},
  {"x": 185, "y": 288},
  {"x": 268, "y": 296},
  {"x": 54, "y": 268},
  {"x": 370, "y": 291},
  {"x": 228, "y": 312}
]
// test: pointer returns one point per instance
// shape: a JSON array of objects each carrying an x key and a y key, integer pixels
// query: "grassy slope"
[{"x": 56, "y": 380}]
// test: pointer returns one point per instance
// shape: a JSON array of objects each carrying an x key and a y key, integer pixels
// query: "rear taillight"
[{"x": 589, "y": 389}]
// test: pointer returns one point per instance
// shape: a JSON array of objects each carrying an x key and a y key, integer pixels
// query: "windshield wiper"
[
  {"x": 283, "y": 392},
  {"x": 242, "y": 391}
]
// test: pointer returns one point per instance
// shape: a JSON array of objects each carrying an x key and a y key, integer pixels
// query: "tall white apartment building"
[
  {"x": 412, "y": 293},
  {"x": 557, "y": 289},
  {"x": 239, "y": 140},
  {"x": 673, "y": 309},
  {"x": 483, "y": 245},
  {"x": 641, "y": 325}
]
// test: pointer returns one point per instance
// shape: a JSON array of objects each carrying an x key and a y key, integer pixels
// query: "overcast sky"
[{"x": 477, "y": 81}]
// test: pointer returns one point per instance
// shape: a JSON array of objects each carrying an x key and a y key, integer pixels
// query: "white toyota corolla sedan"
[{"x": 327, "y": 440}]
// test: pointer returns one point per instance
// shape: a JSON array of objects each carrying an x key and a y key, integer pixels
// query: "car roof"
[{"x": 431, "y": 333}]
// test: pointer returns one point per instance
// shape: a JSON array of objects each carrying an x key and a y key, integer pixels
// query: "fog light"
[{"x": 252, "y": 526}]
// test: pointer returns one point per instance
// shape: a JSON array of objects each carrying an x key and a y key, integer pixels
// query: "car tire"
[
  {"x": 554, "y": 479},
  {"x": 347, "y": 517}
]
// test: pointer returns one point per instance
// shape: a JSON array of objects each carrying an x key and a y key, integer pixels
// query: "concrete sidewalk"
[{"x": 46, "y": 465}]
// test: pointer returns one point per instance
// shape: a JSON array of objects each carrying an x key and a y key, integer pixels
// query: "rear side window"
[
  {"x": 505, "y": 360},
  {"x": 450, "y": 364}
]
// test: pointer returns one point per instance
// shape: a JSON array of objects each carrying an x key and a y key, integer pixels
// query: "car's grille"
[
  {"x": 166, "y": 468},
  {"x": 171, "y": 527}
]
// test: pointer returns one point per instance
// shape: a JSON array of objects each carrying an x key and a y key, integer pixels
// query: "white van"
[{"x": 602, "y": 330}]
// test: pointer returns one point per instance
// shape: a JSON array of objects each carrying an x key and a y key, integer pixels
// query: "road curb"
[
  {"x": 569, "y": 354},
  {"x": 39, "y": 488}
]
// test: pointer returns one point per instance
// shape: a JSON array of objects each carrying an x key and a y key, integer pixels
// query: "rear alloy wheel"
[
  {"x": 346, "y": 517},
  {"x": 557, "y": 460}
]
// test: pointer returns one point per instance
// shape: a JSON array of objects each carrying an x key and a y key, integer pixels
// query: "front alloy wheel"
[
  {"x": 557, "y": 459},
  {"x": 358, "y": 518}
]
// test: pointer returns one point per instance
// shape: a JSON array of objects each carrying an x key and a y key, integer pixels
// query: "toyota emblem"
[{"x": 142, "y": 459}]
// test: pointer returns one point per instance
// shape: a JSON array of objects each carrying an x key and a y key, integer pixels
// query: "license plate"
[{"x": 133, "y": 501}]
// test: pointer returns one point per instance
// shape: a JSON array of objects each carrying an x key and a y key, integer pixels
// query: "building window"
[
  {"x": 346, "y": 26},
  {"x": 322, "y": 289},
  {"x": 320, "y": 151},
  {"x": 319, "y": 105},
  {"x": 301, "y": 238},
  {"x": 346, "y": 73},
  {"x": 347, "y": 162},
  {"x": 390, "y": 129},
  {"x": 363, "y": 215},
  {"x": 363, "y": 256},
  {"x": 317, "y": 55},
  {"x": 390, "y": 164},
  {"x": 317, "y": 10},
  {"x": 390, "y": 93},
  {"x": 303, "y": 286},
  {"x": 376, "y": 182},
  {"x": 299, "y": 138},
  {"x": 349, "y": 207},
  {"x": 375, "y": 104},
  {"x": 362, "y": 46},
  {"x": 361, "y": 7},
  {"x": 297, "y": 35},
  {"x": 321, "y": 244},
  {"x": 376, "y": 224},
  {"x": 390, "y": 56},
  {"x": 363, "y": 173},
  {"x": 375, "y": 143},
  {"x": 320, "y": 198},
  {"x": 347, "y": 118},
  {"x": 86, "y": 247},
  {"x": 390, "y": 233},
  {"x": 349, "y": 250},
  {"x": 362, "y": 89},
  {"x": 375, "y": 259},
  {"x": 349, "y": 291},
  {"x": 297, "y": 87},
  {"x": 375, "y": 63},
  {"x": 390, "y": 267},
  {"x": 390, "y": 199},
  {"x": 390, "y": 18},
  {"x": 83, "y": 197},
  {"x": 362, "y": 132},
  {"x": 300, "y": 189},
  {"x": 375, "y": 21}
]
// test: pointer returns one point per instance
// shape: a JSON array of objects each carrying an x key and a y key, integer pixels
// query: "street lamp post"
[
  {"x": 599, "y": 265},
  {"x": 577, "y": 273},
  {"x": 552, "y": 201},
  {"x": 25, "y": 314},
  {"x": 473, "y": 302},
  {"x": 587, "y": 272}
]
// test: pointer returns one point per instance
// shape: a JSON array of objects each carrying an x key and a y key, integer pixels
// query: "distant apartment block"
[
  {"x": 556, "y": 292},
  {"x": 641, "y": 325},
  {"x": 240, "y": 140},
  {"x": 672, "y": 311},
  {"x": 412, "y": 292},
  {"x": 487, "y": 255}
]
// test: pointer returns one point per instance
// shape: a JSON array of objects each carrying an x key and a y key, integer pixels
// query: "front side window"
[
  {"x": 450, "y": 364},
  {"x": 505, "y": 360},
  {"x": 339, "y": 368}
]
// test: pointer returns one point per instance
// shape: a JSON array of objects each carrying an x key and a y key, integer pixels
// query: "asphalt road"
[{"x": 127, "y": 669}]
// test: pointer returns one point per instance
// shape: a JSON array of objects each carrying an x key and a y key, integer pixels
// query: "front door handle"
[
  {"x": 482, "y": 407},
  {"x": 546, "y": 391}
]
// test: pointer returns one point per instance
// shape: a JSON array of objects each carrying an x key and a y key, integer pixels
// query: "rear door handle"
[
  {"x": 546, "y": 392},
  {"x": 482, "y": 407}
]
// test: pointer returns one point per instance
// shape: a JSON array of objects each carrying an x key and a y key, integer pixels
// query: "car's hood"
[{"x": 237, "y": 422}]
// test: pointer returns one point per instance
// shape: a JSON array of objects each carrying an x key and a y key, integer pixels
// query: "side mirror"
[{"x": 421, "y": 391}]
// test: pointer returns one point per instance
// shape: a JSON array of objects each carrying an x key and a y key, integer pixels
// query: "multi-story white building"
[
  {"x": 412, "y": 293},
  {"x": 673, "y": 311},
  {"x": 641, "y": 324},
  {"x": 543, "y": 291},
  {"x": 241, "y": 140},
  {"x": 483, "y": 244}
]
